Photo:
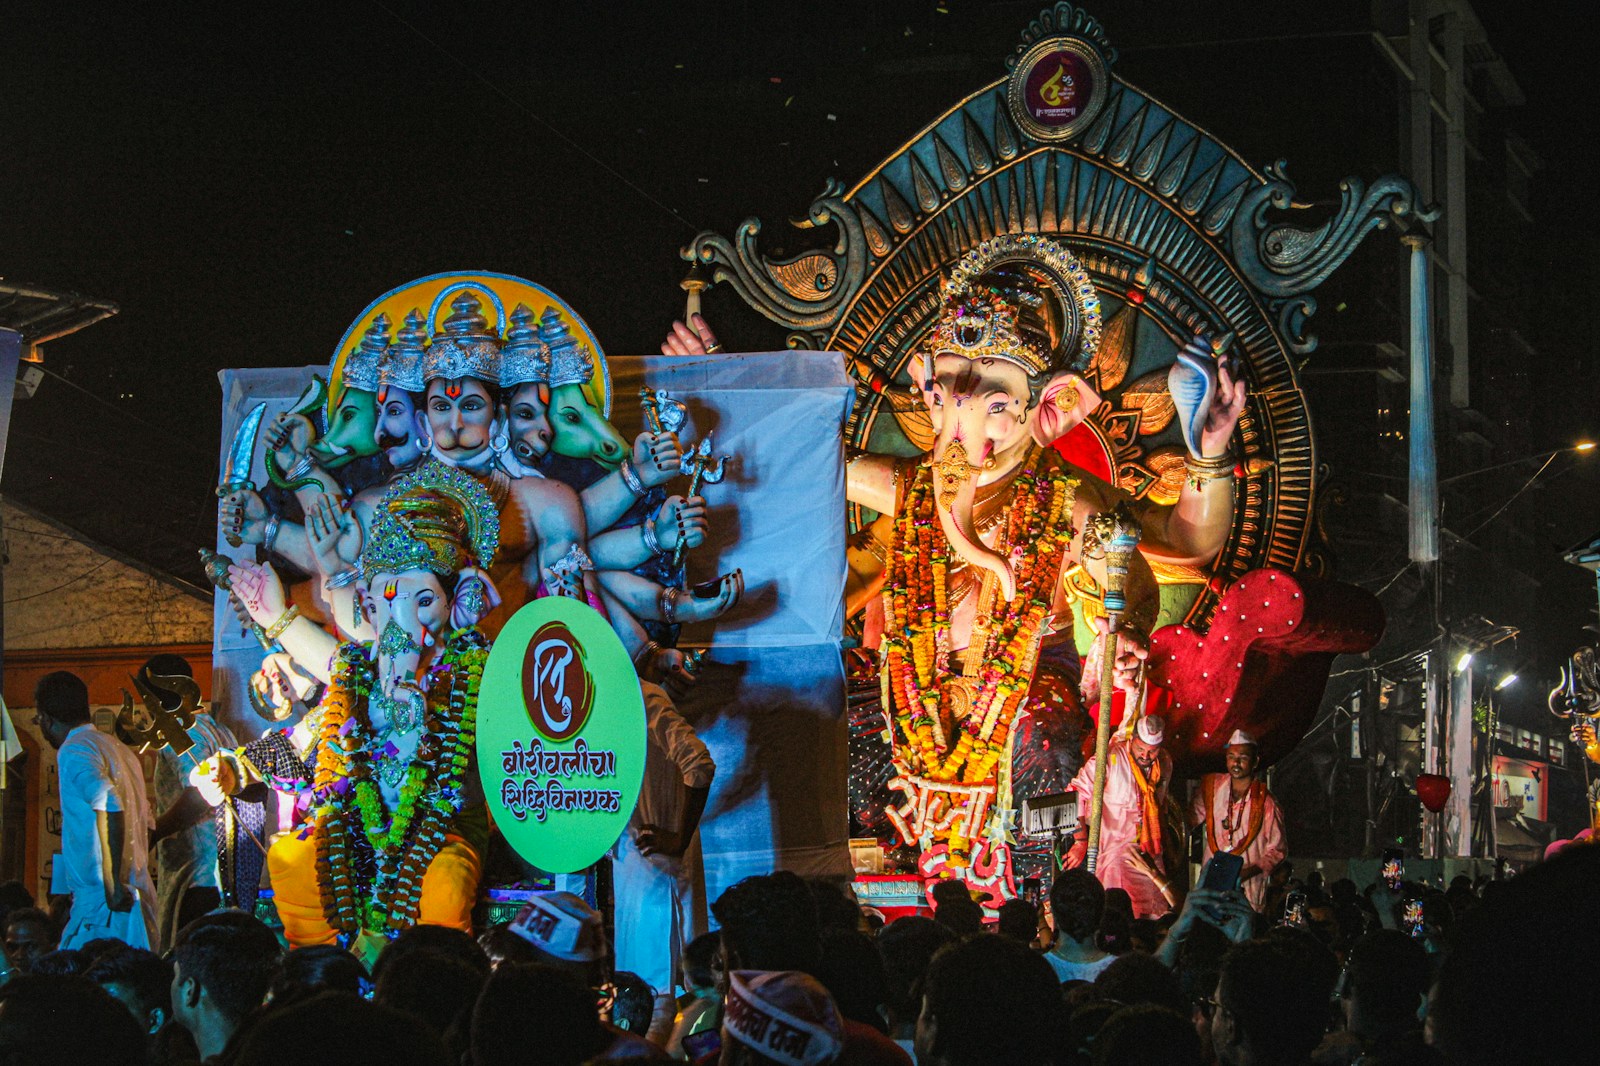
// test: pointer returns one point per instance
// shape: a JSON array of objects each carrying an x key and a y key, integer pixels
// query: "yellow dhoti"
[{"x": 449, "y": 888}]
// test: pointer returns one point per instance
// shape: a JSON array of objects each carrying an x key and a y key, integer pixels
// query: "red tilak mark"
[
  {"x": 389, "y": 591},
  {"x": 383, "y": 396},
  {"x": 453, "y": 390}
]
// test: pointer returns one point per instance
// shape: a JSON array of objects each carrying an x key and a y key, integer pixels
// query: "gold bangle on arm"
[
  {"x": 1197, "y": 472},
  {"x": 285, "y": 620}
]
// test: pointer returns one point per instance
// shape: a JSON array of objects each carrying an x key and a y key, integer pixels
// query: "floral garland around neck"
[
  {"x": 405, "y": 840},
  {"x": 982, "y": 701}
]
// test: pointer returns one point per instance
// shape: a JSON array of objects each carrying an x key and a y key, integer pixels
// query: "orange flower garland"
[{"x": 917, "y": 680}]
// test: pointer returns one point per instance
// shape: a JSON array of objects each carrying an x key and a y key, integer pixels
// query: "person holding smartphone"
[{"x": 1241, "y": 817}]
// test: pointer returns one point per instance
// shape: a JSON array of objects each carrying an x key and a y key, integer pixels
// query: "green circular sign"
[{"x": 561, "y": 734}]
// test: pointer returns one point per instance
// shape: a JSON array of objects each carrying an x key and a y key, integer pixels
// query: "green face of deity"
[
  {"x": 581, "y": 432},
  {"x": 351, "y": 428}
]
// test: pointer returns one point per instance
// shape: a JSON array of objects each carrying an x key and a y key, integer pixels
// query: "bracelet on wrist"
[
  {"x": 667, "y": 600},
  {"x": 285, "y": 620},
  {"x": 300, "y": 469},
  {"x": 271, "y": 534},
  {"x": 644, "y": 658},
  {"x": 348, "y": 576},
  {"x": 647, "y": 533},
  {"x": 630, "y": 478}
]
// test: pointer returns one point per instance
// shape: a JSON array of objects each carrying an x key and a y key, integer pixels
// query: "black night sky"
[{"x": 243, "y": 179}]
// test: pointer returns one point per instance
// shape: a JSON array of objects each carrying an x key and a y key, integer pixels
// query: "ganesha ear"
[{"x": 1065, "y": 401}]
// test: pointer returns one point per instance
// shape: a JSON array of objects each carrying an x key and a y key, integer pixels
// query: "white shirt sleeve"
[
  {"x": 86, "y": 777},
  {"x": 677, "y": 739}
]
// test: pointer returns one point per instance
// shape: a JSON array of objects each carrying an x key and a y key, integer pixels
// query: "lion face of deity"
[
  {"x": 409, "y": 610},
  {"x": 397, "y": 433},
  {"x": 458, "y": 417},
  {"x": 528, "y": 420}
]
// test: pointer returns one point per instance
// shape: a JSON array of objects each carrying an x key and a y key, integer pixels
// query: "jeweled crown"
[
  {"x": 463, "y": 347},
  {"x": 401, "y": 367},
  {"x": 524, "y": 357},
  {"x": 433, "y": 518},
  {"x": 361, "y": 365},
  {"x": 571, "y": 362},
  {"x": 1022, "y": 298}
]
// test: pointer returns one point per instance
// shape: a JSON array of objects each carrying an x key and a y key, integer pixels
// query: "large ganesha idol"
[
  {"x": 386, "y": 579},
  {"x": 978, "y": 668}
]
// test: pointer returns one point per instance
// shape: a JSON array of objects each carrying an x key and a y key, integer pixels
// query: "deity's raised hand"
[
  {"x": 684, "y": 340},
  {"x": 702, "y": 602},
  {"x": 682, "y": 520},
  {"x": 475, "y": 597},
  {"x": 289, "y": 436},
  {"x": 1226, "y": 406},
  {"x": 1132, "y": 650},
  {"x": 334, "y": 533},
  {"x": 258, "y": 589},
  {"x": 658, "y": 458},
  {"x": 242, "y": 517}
]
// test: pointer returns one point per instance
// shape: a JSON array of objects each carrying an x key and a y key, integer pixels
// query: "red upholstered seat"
[{"x": 1263, "y": 665}]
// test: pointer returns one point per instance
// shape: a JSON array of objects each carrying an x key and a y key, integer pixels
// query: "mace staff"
[{"x": 1113, "y": 537}]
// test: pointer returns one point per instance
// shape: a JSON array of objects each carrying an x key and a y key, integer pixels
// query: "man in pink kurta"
[
  {"x": 1241, "y": 817},
  {"x": 1136, "y": 791}
]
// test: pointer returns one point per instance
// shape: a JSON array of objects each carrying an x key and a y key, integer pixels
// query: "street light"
[
  {"x": 1464, "y": 662},
  {"x": 1506, "y": 682}
]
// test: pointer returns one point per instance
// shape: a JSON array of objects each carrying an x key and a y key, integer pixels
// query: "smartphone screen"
[
  {"x": 1294, "y": 909},
  {"x": 703, "y": 1045},
  {"x": 1394, "y": 868},
  {"x": 1411, "y": 917},
  {"x": 1222, "y": 872}
]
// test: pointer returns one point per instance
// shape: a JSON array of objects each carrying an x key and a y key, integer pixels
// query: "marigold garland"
[
  {"x": 403, "y": 841},
  {"x": 983, "y": 700}
]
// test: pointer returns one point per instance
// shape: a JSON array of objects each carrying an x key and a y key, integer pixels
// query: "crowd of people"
[{"x": 797, "y": 973}]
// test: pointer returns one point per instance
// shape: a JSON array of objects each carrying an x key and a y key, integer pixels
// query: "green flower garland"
[{"x": 405, "y": 840}]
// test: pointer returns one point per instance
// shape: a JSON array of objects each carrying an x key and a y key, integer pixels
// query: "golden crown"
[{"x": 1022, "y": 298}]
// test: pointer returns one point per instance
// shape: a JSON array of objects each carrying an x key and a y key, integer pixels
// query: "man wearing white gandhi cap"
[
  {"x": 1131, "y": 840},
  {"x": 781, "y": 1017},
  {"x": 1241, "y": 817}
]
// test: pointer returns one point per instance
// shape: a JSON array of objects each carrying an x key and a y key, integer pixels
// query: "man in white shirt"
[
  {"x": 105, "y": 820},
  {"x": 1131, "y": 844},
  {"x": 1241, "y": 817},
  {"x": 659, "y": 888}
]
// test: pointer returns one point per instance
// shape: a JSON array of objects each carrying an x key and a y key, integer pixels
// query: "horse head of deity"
[{"x": 580, "y": 430}]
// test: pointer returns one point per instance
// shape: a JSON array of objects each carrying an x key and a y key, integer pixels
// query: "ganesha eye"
[
  {"x": 425, "y": 599},
  {"x": 938, "y": 401},
  {"x": 997, "y": 407},
  {"x": 569, "y": 415}
]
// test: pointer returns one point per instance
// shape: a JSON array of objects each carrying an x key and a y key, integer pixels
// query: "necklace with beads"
[{"x": 953, "y": 727}]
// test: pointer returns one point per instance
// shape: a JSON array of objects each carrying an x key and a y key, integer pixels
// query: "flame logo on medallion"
[{"x": 556, "y": 687}]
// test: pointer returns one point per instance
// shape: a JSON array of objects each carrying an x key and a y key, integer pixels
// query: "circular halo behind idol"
[{"x": 498, "y": 294}]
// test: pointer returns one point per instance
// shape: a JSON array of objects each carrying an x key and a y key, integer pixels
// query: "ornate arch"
[{"x": 1179, "y": 233}]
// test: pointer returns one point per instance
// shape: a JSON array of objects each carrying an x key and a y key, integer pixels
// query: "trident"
[{"x": 701, "y": 469}]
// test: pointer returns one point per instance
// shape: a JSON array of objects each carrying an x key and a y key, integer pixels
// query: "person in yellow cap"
[{"x": 1241, "y": 817}]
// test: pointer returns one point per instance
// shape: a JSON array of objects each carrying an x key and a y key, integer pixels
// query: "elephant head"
[{"x": 998, "y": 374}]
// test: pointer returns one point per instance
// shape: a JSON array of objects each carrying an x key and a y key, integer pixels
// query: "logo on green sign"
[{"x": 561, "y": 734}]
